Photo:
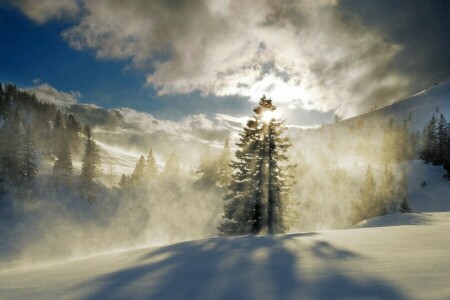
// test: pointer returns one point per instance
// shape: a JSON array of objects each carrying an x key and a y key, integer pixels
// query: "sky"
[{"x": 173, "y": 59}]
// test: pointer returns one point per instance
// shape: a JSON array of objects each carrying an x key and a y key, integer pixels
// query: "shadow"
[
  {"x": 248, "y": 267},
  {"x": 395, "y": 220},
  {"x": 325, "y": 250}
]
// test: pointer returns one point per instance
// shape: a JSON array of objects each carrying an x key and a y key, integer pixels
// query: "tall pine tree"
[
  {"x": 387, "y": 191},
  {"x": 62, "y": 169},
  {"x": 89, "y": 169},
  {"x": 369, "y": 204},
  {"x": 138, "y": 174},
  {"x": 223, "y": 166},
  {"x": 259, "y": 186},
  {"x": 428, "y": 148},
  {"x": 151, "y": 170},
  {"x": 441, "y": 140},
  {"x": 28, "y": 163}
]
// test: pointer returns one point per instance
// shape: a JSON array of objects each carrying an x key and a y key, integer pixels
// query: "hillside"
[
  {"x": 394, "y": 262},
  {"x": 417, "y": 109}
]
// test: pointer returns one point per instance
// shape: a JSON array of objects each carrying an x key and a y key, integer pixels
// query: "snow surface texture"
[{"x": 396, "y": 262}]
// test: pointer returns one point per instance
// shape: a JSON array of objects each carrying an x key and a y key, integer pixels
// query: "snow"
[
  {"x": 434, "y": 196},
  {"x": 396, "y": 262},
  {"x": 418, "y": 108}
]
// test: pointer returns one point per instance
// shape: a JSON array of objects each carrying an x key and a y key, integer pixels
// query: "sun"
[{"x": 269, "y": 115}]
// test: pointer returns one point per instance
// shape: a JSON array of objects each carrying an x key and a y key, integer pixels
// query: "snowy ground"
[{"x": 390, "y": 262}]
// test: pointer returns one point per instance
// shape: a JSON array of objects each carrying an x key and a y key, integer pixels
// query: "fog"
[{"x": 177, "y": 205}]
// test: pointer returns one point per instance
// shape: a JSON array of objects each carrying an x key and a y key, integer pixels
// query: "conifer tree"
[
  {"x": 124, "y": 182},
  {"x": 73, "y": 128},
  {"x": 151, "y": 170},
  {"x": 404, "y": 206},
  {"x": 402, "y": 193},
  {"x": 429, "y": 146},
  {"x": 223, "y": 166},
  {"x": 89, "y": 169},
  {"x": 259, "y": 186},
  {"x": 10, "y": 135},
  {"x": 207, "y": 172},
  {"x": 447, "y": 154},
  {"x": 5, "y": 102},
  {"x": 387, "y": 190},
  {"x": 441, "y": 140},
  {"x": 138, "y": 173},
  {"x": 28, "y": 162},
  {"x": 63, "y": 169},
  {"x": 370, "y": 204}
]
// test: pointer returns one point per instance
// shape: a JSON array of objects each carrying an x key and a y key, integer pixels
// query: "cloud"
[
  {"x": 421, "y": 27},
  {"x": 236, "y": 123},
  {"x": 142, "y": 127},
  {"x": 308, "y": 54},
  {"x": 49, "y": 94},
  {"x": 41, "y": 11}
]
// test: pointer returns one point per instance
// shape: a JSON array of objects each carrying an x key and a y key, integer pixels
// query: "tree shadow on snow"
[{"x": 249, "y": 267}]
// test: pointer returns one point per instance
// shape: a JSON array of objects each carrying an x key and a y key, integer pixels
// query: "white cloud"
[
  {"x": 43, "y": 10},
  {"x": 49, "y": 94},
  {"x": 128, "y": 122},
  {"x": 235, "y": 123},
  {"x": 305, "y": 53}
]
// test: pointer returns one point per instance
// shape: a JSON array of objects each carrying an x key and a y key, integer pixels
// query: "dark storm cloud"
[{"x": 422, "y": 28}]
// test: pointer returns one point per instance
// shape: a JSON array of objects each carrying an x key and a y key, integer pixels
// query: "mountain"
[{"x": 417, "y": 109}]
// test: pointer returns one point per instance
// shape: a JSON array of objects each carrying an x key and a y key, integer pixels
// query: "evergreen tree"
[
  {"x": 62, "y": 169},
  {"x": 406, "y": 150},
  {"x": 243, "y": 204},
  {"x": 441, "y": 141},
  {"x": 428, "y": 151},
  {"x": 447, "y": 154},
  {"x": 207, "y": 172},
  {"x": 5, "y": 102},
  {"x": 10, "y": 135},
  {"x": 138, "y": 173},
  {"x": 387, "y": 191},
  {"x": 415, "y": 144},
  {"x": 386, "y": 144},
  {"x": 28, "y": 162},
  {"x": 89, "y": 169},
  {"x": 124, "y": 182},
  {"x": 151, "y": 170},
  {"x": 370, "y": 204},
  {"x": 404, "y": 206},
  {"x": 259, "y": 186},
  {"x": 73, "y": 128},
  {"x": 402, "y": 193},
  {"x": 57, "y": 130},
  {"x": 223, "y": 166}
]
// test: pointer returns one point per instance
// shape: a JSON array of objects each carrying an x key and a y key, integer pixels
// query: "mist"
[{"x": 183, "y": 199}]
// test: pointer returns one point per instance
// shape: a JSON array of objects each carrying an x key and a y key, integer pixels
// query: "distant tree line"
[
  {"x": 388, "y": 196},
  {"x": 212, "y": 171},
  {"x": 32, "y": 132},
  {"x": 435, "y": 143}
]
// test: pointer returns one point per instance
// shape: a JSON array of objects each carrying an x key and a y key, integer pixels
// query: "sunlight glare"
[{"x": 269, "y": 115}]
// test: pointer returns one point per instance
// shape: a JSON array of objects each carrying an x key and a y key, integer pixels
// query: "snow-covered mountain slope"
[
  {"x": 417, "y": 109},
  {"x": 396, "y": 262},
  {"x": 428, "y": 190}
]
